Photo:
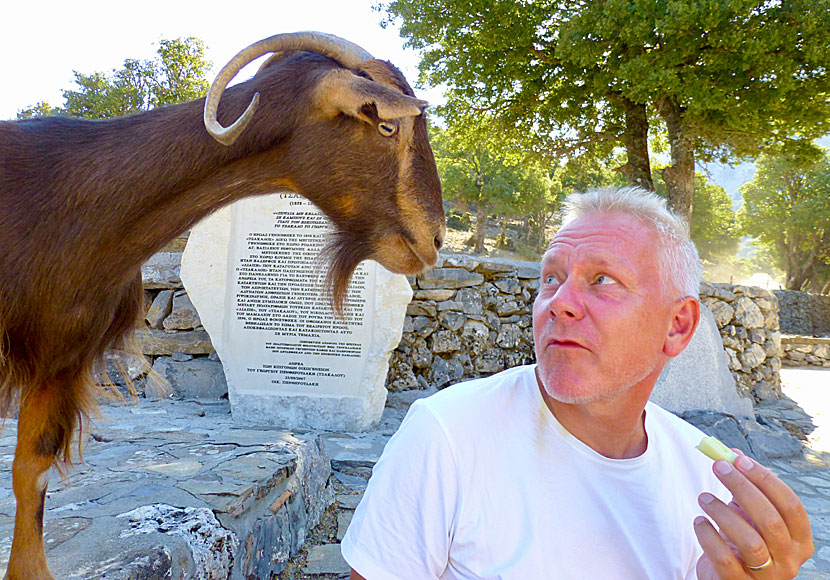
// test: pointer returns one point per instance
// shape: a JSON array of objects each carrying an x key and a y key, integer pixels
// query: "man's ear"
[{"x": 686, "y": 316}]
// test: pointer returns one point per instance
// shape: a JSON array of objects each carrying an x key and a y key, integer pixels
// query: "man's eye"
[
  {"x": 604, "y": 279},
  {"x": 550, "y": 279}
]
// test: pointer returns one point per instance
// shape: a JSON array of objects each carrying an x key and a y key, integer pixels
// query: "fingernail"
[
  {"x": 723, "y": 467},
  {"x": 707, "y": 498},
  {"x": 699, "y": 520},
  {"x": 744, "y": 463}
]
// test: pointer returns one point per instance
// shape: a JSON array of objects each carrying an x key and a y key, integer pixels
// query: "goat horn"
[{"x": 346, "y": 53}]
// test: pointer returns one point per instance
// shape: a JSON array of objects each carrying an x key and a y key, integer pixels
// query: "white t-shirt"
[{"x": 482, "y": 482}]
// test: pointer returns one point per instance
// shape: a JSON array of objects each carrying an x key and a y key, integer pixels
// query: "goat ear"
[{"x": 342, "y": 91}]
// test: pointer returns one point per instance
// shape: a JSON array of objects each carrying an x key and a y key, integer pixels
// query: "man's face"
[{"x": 599, "y": 320}]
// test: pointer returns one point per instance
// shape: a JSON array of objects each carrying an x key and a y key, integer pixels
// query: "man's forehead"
[{"x": 602, "y": 236}]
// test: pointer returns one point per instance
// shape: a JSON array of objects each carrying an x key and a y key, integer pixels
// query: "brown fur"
[{"x": 84, "y": 203}]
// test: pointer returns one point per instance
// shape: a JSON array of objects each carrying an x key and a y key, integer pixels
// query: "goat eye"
[{"x": 387, "y": 129}]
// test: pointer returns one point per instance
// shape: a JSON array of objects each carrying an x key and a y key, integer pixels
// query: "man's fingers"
[
  {"x": 780, "y": 495},
  {"x": 740, "y": 511},
  {"x": 723, "y": 561},
  {"x": 751, "y": 547},
  {"x": 766, "y": 518}
]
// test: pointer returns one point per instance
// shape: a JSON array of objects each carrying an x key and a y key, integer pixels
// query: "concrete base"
[
  {"x": 176, "y": 489},
  {"x": 321, "y": 413}
]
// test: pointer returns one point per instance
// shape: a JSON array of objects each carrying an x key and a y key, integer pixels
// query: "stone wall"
[
  {"x": 747, "y": 318},
  {"x": 172, "y": 338},
  {"x": 469, "y": 317},
  {"x": 803, "y": 313},
  {"x": 806, "y": 350}
]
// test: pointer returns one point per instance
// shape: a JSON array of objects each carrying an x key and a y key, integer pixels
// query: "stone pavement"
[{"x": 176, "y": 489}]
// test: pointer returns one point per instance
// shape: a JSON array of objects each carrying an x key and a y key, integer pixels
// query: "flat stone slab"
[{"x": 177, "y": 489}]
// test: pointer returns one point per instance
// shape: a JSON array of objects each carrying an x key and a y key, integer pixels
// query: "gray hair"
[{"x": 680, "y": 270}]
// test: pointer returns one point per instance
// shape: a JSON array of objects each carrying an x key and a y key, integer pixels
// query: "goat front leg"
[{"x": 44, "y": 426}]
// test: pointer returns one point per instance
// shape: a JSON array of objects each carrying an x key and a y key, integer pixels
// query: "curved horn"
[{"x": 346, "y": 53}]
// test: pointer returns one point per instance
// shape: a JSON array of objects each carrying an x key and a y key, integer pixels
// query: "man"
[{"x": 563, "y": 469}]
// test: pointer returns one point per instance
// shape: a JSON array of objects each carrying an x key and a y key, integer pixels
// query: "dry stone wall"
[
  {"x": 747, "y": 318},
  {"x": 172, "y": 339},
  {"x": 803, "y": 313},
  {"x": 806, "y": 350},
  {"x": 469, "y": 317},
  {"x": 805, "y": 324}
]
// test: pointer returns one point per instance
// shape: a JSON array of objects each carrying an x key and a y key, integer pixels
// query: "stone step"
[
  {"x": 326, "y": 559},
  {"x": 177, "y": 489}
]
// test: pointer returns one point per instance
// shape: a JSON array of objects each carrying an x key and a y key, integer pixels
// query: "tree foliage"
[
  {"x": 787, "y": 209},
  {"x": 714, "y": 227},
  {"x": 720, "y": 78},
  {"x": 176, "y": 74},
  {"x": 479, "y": 166},
  {"x": 41, "y": 109}
]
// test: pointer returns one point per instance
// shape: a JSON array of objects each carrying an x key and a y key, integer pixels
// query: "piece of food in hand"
[{"x": 713, "y": 448}]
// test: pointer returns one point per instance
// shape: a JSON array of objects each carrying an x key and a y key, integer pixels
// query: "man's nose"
[{"x": 567, "y": 301}]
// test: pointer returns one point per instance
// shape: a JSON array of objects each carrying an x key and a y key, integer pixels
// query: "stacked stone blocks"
[
  {"x": 806, "y": 350},
  {"x": 469, "y": 317},
  {"x": 747, "y": 318},
  {"x": 805, "y": 324}
]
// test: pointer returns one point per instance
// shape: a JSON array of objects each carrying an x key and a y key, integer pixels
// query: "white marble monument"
[{"x": 252, "y": 272}]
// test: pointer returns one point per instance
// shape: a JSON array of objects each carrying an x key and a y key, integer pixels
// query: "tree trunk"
[
  {"x": 502, "y": 241},
  {"x": 680, "y": 175},
  {"x": 527, "y": 229},
  {"x": 481, "y": 227},
  {"x": 795, "y": 281},
  {"x": 637, "y": 169},
  {"x": 799, "y": 263},
  {"x": 541, "y": 222}
]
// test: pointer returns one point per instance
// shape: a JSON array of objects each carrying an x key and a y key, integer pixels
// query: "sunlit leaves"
[{"x": 787, "y": 209}]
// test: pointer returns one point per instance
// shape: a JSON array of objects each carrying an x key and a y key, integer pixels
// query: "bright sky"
[{"x": 43, "y": 42}]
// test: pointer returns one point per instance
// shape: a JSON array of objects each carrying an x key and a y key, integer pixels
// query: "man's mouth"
[{"x": 565, "y": 343}]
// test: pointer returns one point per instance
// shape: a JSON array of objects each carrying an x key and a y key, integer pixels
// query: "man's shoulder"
[
  {"x": 475, "y": 400},
  {"x": 668, "y": 421}
]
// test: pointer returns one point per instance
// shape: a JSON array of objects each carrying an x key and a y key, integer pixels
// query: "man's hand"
[{"x": 764, "y": 531}]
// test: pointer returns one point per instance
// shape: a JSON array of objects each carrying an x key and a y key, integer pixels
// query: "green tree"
[
  {"x": 42, "y": 109},
  {"x": 787, "y": 209},
  {"x": 176, "y": 74},
  {"x": 721, "y": 79},
  {"x": 475, "y": 169},
  {"x": 714, "y": 227},
  {"x": 537, "y": 197}
]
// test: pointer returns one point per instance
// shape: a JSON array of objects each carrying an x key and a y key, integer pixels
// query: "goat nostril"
[{"x": 438, "y": 241}]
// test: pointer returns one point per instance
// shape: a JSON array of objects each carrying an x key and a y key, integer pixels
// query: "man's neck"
[{"x": 614, "y": 427}]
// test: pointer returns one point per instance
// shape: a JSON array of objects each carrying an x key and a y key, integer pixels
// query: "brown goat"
[{"x": 84, "y": 203}]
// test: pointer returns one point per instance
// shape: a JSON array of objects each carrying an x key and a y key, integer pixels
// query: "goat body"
[{"x": 84, "y": 203}]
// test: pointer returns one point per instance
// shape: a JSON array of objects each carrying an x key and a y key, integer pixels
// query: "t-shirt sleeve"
[{"x": 402, "y": 528}]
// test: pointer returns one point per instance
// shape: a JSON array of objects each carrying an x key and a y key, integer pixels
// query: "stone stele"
[
  {"x": 699, "y": 377},
  {"x": 291, "y": 364}
]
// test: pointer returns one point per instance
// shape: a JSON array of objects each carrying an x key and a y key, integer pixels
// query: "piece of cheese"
[{"x": 713, "y": 448}]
